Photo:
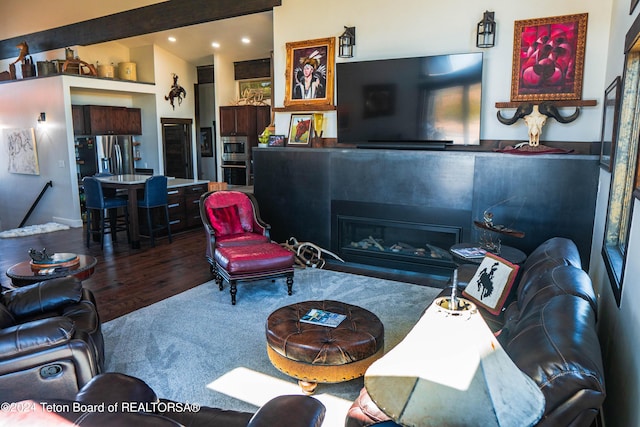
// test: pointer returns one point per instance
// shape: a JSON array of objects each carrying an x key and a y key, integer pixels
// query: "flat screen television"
[{"x": 429, "y": 101}]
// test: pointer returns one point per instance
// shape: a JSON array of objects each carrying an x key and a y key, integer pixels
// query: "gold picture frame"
[
  {"x": 300, "y": 130},
  {"x": 548, "y": 58},
  {"x": 316, "y": 87}
]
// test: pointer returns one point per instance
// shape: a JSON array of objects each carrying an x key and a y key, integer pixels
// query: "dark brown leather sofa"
[
  {"x": 50, "y": 340},
  {"x": 549, "y": 331},
  {"x": 114, "y": 399}
]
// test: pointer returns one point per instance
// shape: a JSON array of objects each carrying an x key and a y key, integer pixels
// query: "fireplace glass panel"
[{"x": 399, "y": 240}]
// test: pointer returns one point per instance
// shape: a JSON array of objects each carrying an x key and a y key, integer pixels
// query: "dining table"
[{"x": 132, "y": 183}]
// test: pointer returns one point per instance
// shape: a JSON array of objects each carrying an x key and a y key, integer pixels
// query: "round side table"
[
  {"x": 511, "y": 254},
  {"x": 22, "y": 274}
]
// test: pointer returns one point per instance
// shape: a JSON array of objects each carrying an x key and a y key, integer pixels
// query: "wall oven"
[
  {"x": 235, "y": 160},
  {"x": 235, "y": 148}
]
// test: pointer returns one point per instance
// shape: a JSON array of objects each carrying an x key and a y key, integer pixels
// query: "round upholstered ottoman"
[{"x": 322, "y": 354}]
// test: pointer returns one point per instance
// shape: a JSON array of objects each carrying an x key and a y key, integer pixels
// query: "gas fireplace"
[{"x": 397, "y": 237}]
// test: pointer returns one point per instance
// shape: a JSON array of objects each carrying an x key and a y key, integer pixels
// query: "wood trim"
[
  {"x": 562, "y": 103},
  {"x": 304, "y": 108},
  {"x": 632, "y": 36},
  {"x": 135, "y": 22},
  {"x": 253, "y": 69}
]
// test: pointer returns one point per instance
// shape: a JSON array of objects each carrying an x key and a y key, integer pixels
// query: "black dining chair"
[
  {"x": 108, "y": 220},
  {"x": 155, "y": 196}
]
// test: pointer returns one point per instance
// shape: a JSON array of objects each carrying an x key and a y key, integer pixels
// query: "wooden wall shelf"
[
  {"x": 304, "y": 107},
  {"x": 562, "y": 103}
]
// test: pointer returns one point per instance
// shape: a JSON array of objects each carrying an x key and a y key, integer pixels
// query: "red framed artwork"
[{"x": 548, "y": 58}]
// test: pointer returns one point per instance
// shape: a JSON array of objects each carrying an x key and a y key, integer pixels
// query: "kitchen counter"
[{"x": 181, "y": 182}]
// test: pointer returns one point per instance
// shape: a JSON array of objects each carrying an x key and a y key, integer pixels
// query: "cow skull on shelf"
[{"x": 535, "y": 116}]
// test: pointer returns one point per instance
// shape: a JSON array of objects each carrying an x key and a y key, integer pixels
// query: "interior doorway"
[{"x": 176, "y": 141}]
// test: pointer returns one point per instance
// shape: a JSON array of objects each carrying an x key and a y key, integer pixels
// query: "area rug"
[
  {"x": 30, "y": 230},
  {"x": 196, "y": 347}
]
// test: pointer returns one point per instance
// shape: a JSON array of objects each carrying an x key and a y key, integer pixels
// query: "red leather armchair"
[
  {"x": 50, "y": 340},
  {"x": 231, "y": 218},
  {"x": 238, "y": 244}
]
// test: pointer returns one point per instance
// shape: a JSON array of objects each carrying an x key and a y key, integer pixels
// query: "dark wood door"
[{"x": 176, "y": 140}]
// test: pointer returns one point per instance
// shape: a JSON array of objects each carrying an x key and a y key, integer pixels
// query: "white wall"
[
  {"x": 619, "y": 328},
  {"x": 167, "y": 64},
  {"x": 390, "y": 29},
  {"x": 21, "y": 102},
  {"x": 20, "y": 105},
  {"x": 207, "y": 117}
]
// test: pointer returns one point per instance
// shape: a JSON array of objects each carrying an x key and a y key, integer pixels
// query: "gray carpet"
[{"x": 181, "y": 345}]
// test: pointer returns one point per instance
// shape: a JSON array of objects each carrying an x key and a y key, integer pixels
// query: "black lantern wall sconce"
[
  {"x": 486, "y": 35},
  {"x": 42, "y": 117},
  {"x": 346, "y": 42}
]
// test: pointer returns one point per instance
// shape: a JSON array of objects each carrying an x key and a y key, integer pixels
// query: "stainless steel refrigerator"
[{"x": 114, "y": 154}]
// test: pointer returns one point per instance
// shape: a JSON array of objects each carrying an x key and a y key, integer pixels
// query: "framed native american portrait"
[
  {"x": 310, "y": 73},
  {"x": 548, "y": 58}
]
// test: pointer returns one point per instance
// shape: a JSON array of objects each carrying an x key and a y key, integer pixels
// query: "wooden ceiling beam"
[{"x": 135, "y": 22}]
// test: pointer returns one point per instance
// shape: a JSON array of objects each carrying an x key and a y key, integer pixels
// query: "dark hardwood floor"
[{"x": 125, "y": 279}]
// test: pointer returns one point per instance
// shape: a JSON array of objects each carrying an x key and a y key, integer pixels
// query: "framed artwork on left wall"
[{"x": 22, "y": 151}]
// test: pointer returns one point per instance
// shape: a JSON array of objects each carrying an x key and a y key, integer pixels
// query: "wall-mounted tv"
[{"x": 429, "y": 101}]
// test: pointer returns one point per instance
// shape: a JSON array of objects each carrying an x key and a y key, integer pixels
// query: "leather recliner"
[
  {"x": 51, "y": 340},
  {"x": 549, "y": 331},
  {"x": 114, "y": 399}
]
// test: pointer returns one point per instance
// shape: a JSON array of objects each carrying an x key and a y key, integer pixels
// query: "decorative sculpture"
[
  {"x": 40, "y": 256},
  {"x": 307, "y": 253},
  {"x": 535, "y": 116},
  {"x": 176, "y": 92},
  {"x": 24, "y": 51}
]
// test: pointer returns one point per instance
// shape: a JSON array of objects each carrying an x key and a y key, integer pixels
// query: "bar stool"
[
  {"x": 155, "y": 196},
  {"x": 96, "y": 201}
]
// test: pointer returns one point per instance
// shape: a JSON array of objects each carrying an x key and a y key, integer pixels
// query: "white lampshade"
[{"x": 451, "y": 371}]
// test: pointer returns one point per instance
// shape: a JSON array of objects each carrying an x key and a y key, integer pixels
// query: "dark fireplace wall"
[{"x": 542, "y": 195}]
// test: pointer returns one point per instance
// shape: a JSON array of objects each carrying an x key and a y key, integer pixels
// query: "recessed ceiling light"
[
  {"x": 172, "y": 39},
  {"x": 215, "y": 44},
  {"x": 246, "y": 40}
]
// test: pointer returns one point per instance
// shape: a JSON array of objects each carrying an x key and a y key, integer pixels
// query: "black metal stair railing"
[{"x": 35, "y": 203}]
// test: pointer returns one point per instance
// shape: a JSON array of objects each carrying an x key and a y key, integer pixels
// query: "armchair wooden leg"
[
  {"x": 290, "y": 283},
  {"x": 233, "y": 290},
  {"x": 218, "y": 277}
]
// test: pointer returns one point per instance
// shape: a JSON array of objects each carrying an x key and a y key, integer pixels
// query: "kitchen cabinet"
[
  {"x": 244, "y": 120},
  {"x": 106, "y": 120},
  {"x": 184, "y": 208},
  {"x": 77, "y": 116}
]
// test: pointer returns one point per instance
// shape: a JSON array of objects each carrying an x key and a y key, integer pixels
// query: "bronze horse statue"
[{"x": 176, "y": 91}]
